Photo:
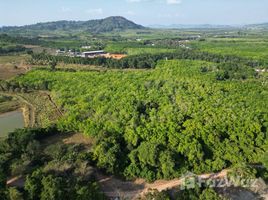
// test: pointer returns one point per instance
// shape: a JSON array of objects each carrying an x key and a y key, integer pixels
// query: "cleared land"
[{"x": 12, "y": 65}]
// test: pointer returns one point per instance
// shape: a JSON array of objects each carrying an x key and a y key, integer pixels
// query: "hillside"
[
  {"x": 109, "y": 24},
  {"x": 191, "y": 26},
  {"x": 263, "y": 26}
]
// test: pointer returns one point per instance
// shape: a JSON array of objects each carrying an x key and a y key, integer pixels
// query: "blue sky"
[{"x": 145, "y": 12}]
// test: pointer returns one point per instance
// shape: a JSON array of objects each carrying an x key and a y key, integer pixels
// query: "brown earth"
[
  {"x": 8, "y": 71},
  {"x": 115, "y": 56},
  {"x": 114, "y": 187}
]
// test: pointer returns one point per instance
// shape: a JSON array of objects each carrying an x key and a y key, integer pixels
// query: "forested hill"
[{"x": 116, "y": 23}]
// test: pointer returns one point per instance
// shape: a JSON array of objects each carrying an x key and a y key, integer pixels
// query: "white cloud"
[
  {"x": 170, "y": 2},
  {"x": 134, "y": 1},
  {"x": 138, "y": 1},
  {"x": 65, "y": 9},
  {"x": 130, "y": 12},
  {"x": 131, "y": 1},
  {"x": 97, "y": 11},
  {"x": 169, "y": 15}
]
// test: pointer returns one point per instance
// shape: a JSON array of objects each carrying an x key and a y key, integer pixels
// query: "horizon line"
[{"x": 145, "y": 25}]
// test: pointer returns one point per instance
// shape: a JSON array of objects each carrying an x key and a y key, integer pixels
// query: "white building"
[{"x": 92, "y": 54}]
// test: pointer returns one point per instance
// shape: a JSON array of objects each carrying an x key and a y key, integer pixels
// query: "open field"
[
  {"x": 8, "y": 71},
  {"x": 256, "y": 49},
  {"x": 12, "y": 65},
  {"x": 13, "y": 59}
]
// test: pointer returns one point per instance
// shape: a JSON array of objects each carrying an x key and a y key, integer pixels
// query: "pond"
[{"x": 10, "y": 121}]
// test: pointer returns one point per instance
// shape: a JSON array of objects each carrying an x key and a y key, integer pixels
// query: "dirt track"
[{"x": 114, "y": 187}]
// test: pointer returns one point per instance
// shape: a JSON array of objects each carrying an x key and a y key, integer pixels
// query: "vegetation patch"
[
  {"x": 56, "y": 171},
  {"x": 8, "y": 104},
  {"x": 161, "y": 123}
]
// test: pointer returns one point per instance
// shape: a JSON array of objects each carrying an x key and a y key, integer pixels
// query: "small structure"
[
  {"x": 74, "y": 54},
  {"x": 60, "y": 52},
  {"x": 92, "y": 54},
  {"x": 86, "y": 47},
  {"x": 261, "y": 70}
]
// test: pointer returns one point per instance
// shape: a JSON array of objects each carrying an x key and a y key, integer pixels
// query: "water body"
[{"x": 10, "y": 121}]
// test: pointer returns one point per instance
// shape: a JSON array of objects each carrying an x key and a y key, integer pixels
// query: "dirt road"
[{"x": 114, "y": 187}]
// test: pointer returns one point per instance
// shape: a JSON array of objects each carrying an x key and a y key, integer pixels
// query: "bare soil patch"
[{"x": 8, "y": 71}]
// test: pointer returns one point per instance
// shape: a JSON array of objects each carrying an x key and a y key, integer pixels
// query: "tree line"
[
  {"x": 11, "y": 49},
  {"x": 142, "y": 61}
]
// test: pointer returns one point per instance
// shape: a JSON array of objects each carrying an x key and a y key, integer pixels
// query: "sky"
[{"x": 145, "y": 12}]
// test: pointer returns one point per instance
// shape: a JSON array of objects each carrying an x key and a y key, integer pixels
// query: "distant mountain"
[
  {"x": 189, "y": 26},
  {"x": 263, "y": 26},
  {"x": 109, "y": 24}
]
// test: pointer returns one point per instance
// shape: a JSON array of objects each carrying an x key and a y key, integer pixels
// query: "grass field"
[
  {"x": 152, "y": 34},
  {"x": 256, "y": 49},
  {"x": 135, "y": 49},
  {"x": 13, "y": 59}
]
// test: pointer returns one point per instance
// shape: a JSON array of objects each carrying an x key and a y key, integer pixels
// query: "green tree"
[
  {"x": 53, "y": 65},
  {"x": 167, "y": 164},
  {"x": 14, "y": 194},
  {"x": 89, "y": 192},
  {"x": 148, "y": 153},
  {"x": 264, "y": 159},
  {"x": 107, "y": 154},
  {"x": 53, "y": 188},
  {"x": 209, "y": 194},
  {"x": 155, "y": 195},
  {"x": 3, "y": 187},
  {"x": 33, "y": 185},
  {"x": 33, "y": 150}
]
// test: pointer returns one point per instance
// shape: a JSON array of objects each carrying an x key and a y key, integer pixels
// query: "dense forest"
[{"x": 181, "y": 116}]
